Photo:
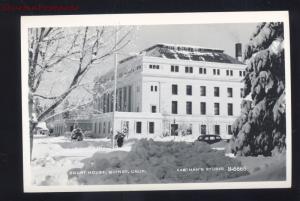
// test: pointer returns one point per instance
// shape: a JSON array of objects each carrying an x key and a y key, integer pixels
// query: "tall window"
[
  {"x": 188, "y": 89},
  {"x": 241, "y": 73},
  {"x": 242, "y": 92},
  {"x": 229, "y": 92},
  {"x": 214, "y": 71},
  {"x": 229, "y": 129},
  {"x": 188, "y": 107},
  {"x": 217, "y": 108},
  {"x": 174, "y": 89},
  {"x": 155, "y": 88},
  {"x": 151, "y": 88},
  {"x": 203, "y": 129},
  {"x": 217, "y": 129},
  {"x": 227, "y": 72},
  {"x": 151, "y": 127},
  {"x": 218, "y": 71},
  {"x": 231, "y": 72},
  {"x": 216, "y": 91},
  {"x": 104, "y": 128},
  {"x": 202, "y": 108},
  {"x": 202, "y": 91},
  {"x": 174, "y": 107},
  {"x": 100, "y": 127},
  {"x": 138, "y": 127},
  {"x": 186, "y": 69},
  {"x": 153, "y": 108},
  {"x": 230, "y": 109}
]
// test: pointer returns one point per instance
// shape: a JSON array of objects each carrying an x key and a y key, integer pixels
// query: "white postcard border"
[{"x": 151, "y": 19}]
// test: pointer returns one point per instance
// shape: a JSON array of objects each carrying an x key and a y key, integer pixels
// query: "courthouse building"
[{"x": 171, "y": 90}]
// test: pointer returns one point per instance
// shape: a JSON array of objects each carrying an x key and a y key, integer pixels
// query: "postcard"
[{"x": 164, "y": 101}]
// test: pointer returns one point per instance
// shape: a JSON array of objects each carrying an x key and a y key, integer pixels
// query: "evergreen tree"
[{"x": 260, "y": 129}]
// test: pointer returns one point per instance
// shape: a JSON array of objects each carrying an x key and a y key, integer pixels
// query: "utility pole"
[{"x": 115, "y": 86}]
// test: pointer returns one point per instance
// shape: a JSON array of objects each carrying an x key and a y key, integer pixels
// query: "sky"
[{"x": 220, "y": 36}]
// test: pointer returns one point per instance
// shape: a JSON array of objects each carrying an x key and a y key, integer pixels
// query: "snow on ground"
[{"x": 52, "y": 157}]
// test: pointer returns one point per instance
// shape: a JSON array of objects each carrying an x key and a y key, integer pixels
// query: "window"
[
  {"x": 151, "y": 127},
  {"x": 188, "y": 107},
  {"x": 230, "y": 109},
  {"x": 202, "y": 108},
  {"x": 188, "y": 69},
  {"x": 218, "y": 71},
  {"x": 244, "y": 73},
  {"x": 151, "y": 66},
  {"x": 138, "y": 127},
  {"x": 217, "y": 108},
  {"x": 174, "y": 107},
  {"x": 174, "y": 68},
  {"x": 229, "y": 92},
  {"x": 230, "y": 73},
  {"x": 100, "y": 127},
  {"x": 104, "y": 129},
  {"x": 242, "y": 92},
  {"x": 155, "y": 88},
  {"x": 202, "y": 91},
  {"x": 241, "y": 73},
  {"x": 214, "y": 71},
  {"x": 203, "y": 129},
  {"x": 189, "y": 90},
  {"x": 229, "y": 130},
  {"x": 151, "y": 88},
  {"x": 202, "y": 70},
  {"x": 153, "y": 108},
  {"x": 174, "y": 89},
  {"x": 217, "y": 129},
  {"x": 216, "y": 91}
]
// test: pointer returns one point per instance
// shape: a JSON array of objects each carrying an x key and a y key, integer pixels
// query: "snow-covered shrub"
[{"x": 162, "y": 162}]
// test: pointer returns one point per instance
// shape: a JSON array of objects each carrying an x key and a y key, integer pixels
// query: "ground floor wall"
[{"x": 138, "y": 124}]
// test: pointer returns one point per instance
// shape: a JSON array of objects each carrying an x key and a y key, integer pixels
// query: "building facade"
[{"x": 171, "y": 90}]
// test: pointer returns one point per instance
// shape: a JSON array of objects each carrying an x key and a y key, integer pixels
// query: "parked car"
[{"x": 210, "y": 139}]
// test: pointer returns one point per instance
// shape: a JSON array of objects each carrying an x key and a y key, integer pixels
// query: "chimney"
[{"x": 238, "y": 51}]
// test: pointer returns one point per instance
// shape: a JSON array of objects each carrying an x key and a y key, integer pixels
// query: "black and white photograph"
[{"x": 181, "y": 101}]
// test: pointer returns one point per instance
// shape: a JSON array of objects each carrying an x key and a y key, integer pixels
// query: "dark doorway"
[{"x": 174, "y": 129}]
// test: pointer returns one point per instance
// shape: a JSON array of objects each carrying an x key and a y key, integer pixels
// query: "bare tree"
[{"x": 48, "y": 47}]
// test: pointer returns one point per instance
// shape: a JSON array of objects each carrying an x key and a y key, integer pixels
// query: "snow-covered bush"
[{"x": 161, "y": 162}]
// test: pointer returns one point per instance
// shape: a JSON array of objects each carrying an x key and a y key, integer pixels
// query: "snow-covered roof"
[{"x": 186, "y": 52}]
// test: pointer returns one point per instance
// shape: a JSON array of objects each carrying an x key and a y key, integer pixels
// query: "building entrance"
[{"x": 174, "y": 129}]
